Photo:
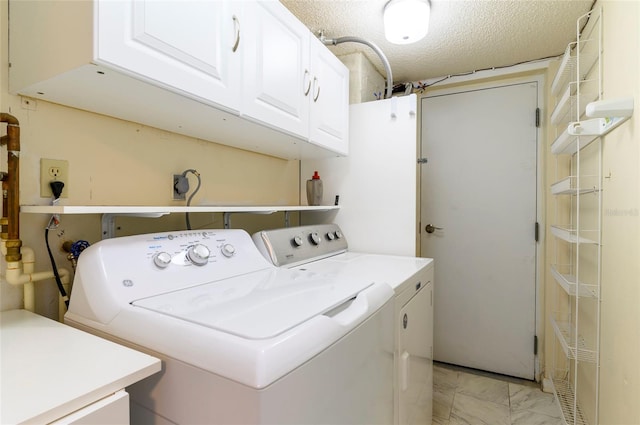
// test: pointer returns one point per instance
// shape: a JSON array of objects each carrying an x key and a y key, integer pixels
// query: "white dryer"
[
  {"x": 323, "y": 249},
  {"x": 241, "y": 341}
]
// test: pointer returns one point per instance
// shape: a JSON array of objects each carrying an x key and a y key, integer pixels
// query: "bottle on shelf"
[{"x": 314, "y": 190}]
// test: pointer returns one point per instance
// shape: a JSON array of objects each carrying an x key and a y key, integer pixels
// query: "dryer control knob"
[
  {"x": 338, "y": 234},
  {"x": 162, "y": 259},
  {"x": 228, "y": 250},
  {"x": 331, "y": 236},
  {"x": 315, "y": 239},
  {"x": 198, "y": 254},
  {"x": 297, "y": 241}
]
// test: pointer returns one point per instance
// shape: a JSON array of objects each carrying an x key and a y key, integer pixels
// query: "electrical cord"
[
  {"x": 56, "y": 188},
  {"x": 56, "y": 274},
  {"x": 184, "y": 174},
  {"x": 420, "y": 86}
]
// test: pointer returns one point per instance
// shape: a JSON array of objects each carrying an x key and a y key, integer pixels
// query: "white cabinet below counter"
[
  {"x": 53, "y": 372},
  {"x": 188, "y": 67}
]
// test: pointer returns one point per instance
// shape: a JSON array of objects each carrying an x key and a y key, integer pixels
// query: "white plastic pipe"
[{"x": 21, "y": 273}]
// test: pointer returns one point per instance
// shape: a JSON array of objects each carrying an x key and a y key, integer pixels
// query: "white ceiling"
[{"x": 464, "y": 35}]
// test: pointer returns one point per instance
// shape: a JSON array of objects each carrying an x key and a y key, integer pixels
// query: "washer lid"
[{"x": 258, "y": 305}]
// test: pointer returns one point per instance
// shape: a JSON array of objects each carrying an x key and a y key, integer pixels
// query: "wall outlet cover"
[{"x": 53, "y": 170}]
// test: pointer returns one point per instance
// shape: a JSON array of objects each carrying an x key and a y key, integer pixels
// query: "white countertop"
[
  {"x": 160, "y": 209},
  {"x": 49, "y": 369}
]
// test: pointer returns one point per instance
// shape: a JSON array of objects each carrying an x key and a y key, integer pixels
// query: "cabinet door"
[
  {"x": 415, "y": 361},
  {"x": 189, "y": 47},
  {"x": 277, "y": 78},
  {"x": 113, "y": 409},
  {"x": 330, "y": 100}
]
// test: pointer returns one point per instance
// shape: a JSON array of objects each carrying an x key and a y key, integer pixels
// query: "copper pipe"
[
  {"x": 4, "y": 221},
  {"x": 11, "y": 183}
]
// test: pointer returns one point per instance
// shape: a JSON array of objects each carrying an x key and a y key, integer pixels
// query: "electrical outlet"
[
  {"x": 53, "y": 170},
  {"x": 178, "y": 183}
]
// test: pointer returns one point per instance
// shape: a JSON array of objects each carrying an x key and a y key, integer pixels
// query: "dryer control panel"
[{"x": 293, "y": 246}]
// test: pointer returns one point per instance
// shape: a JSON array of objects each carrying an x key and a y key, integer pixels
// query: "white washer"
[
  {"x": 323, "y": 249},
  {"x": 241, "y": 341}
]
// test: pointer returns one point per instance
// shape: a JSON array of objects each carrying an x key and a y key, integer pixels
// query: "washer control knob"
[
  {"x": 338, "y": 234},
  {"x": 228, "y": 250},
  {"x": 198, "y": 254},
  {"x": 297, "y": 241},
  {"x": 162, "y": 259},
  {"x": 330, "y": 236},
  {"x": 315, "y": 238}
]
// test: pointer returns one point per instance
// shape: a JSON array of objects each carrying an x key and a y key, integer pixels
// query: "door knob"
[{"x": 430, "y": 228}]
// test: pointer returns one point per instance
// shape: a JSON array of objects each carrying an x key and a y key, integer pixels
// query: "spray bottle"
[{"x": 314, "y": 190}]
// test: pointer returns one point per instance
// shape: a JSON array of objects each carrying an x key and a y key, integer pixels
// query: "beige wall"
[
  {"x": 115, "y": 162},
  {"x": 620, "y": 306},
  {"x": 364, "y": 79}
]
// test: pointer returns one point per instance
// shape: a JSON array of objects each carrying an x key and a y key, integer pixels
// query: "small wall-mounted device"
[{"x": 621, "y": 107}]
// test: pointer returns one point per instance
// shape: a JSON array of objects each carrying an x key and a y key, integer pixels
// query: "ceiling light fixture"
[{"x": 406, "y": 21}]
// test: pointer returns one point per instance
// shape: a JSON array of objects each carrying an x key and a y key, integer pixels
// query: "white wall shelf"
[
  {"x": 563, "y": 107},
  {"x": 572, "y": 235},
  {"x": 571, "y": 412},
  {"x": 564, "y": 274},
  {"x": 573, "y": 344},
  {"x": 577, "y": 87},
  {"x": 160, "y": 209},
  {"x": 565, "y": 71},
  {"x": 572, "y": 185},
  {"x": 110, "y": 212},
  {"x": 568, "y": 144},
  {"x": 585, "y": 57},
  {"x": 568, "y": 104}
]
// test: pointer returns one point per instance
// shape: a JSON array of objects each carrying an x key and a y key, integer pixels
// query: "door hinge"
[
  {"x": 422, "y": 160},
  {"x": 536, "y": 232},
  {"x": 535, "y": 345},
  {"x": 537, "y": 117}
]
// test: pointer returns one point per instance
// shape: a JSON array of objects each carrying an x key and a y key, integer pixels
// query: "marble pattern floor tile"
[
  {"x": 467, "y": 397},
  {"x": 482, "y": 388},
  {"x": 532, "y": 399},
  {"x": 528, "y": 417},
  {"x": 439, "y": 421},
  {"x": 469, "y": 410}
]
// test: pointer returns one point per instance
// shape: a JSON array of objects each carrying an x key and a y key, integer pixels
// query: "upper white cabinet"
[
  {"x": 276, "y": 68},
  {"x": 329, "y": 97},
  {"x": 292, "y": 80},
  {"x": 192, "y": 48},
  {"x": 231, "y": 72}
]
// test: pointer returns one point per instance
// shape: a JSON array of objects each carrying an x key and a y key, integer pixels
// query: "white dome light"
[{"x": 406, "y": 21}]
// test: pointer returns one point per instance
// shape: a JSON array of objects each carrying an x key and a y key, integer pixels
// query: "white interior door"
[{"x": 479, "y": 187}]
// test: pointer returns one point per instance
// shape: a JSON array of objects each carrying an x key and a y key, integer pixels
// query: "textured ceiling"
[{"x": 464, "y": 35}]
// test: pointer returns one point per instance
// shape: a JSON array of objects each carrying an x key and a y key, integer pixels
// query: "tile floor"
[{"x": 462, "y": 396}]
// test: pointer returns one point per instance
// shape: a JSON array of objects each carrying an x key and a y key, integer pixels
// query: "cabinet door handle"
[
  {"x": 317, "y": 92},
  {"x": 236, "y": 26},
  {"x": 306, "y": 78}
]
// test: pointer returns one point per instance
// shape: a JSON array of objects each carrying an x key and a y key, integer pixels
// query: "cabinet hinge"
[
  {"x": 536, "y": 231},
  {"x": 535, "y": 345},
  {"x": 537, "y": 117}
]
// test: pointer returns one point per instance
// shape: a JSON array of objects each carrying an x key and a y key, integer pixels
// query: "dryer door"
[{"x": 415, "y": 368}]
